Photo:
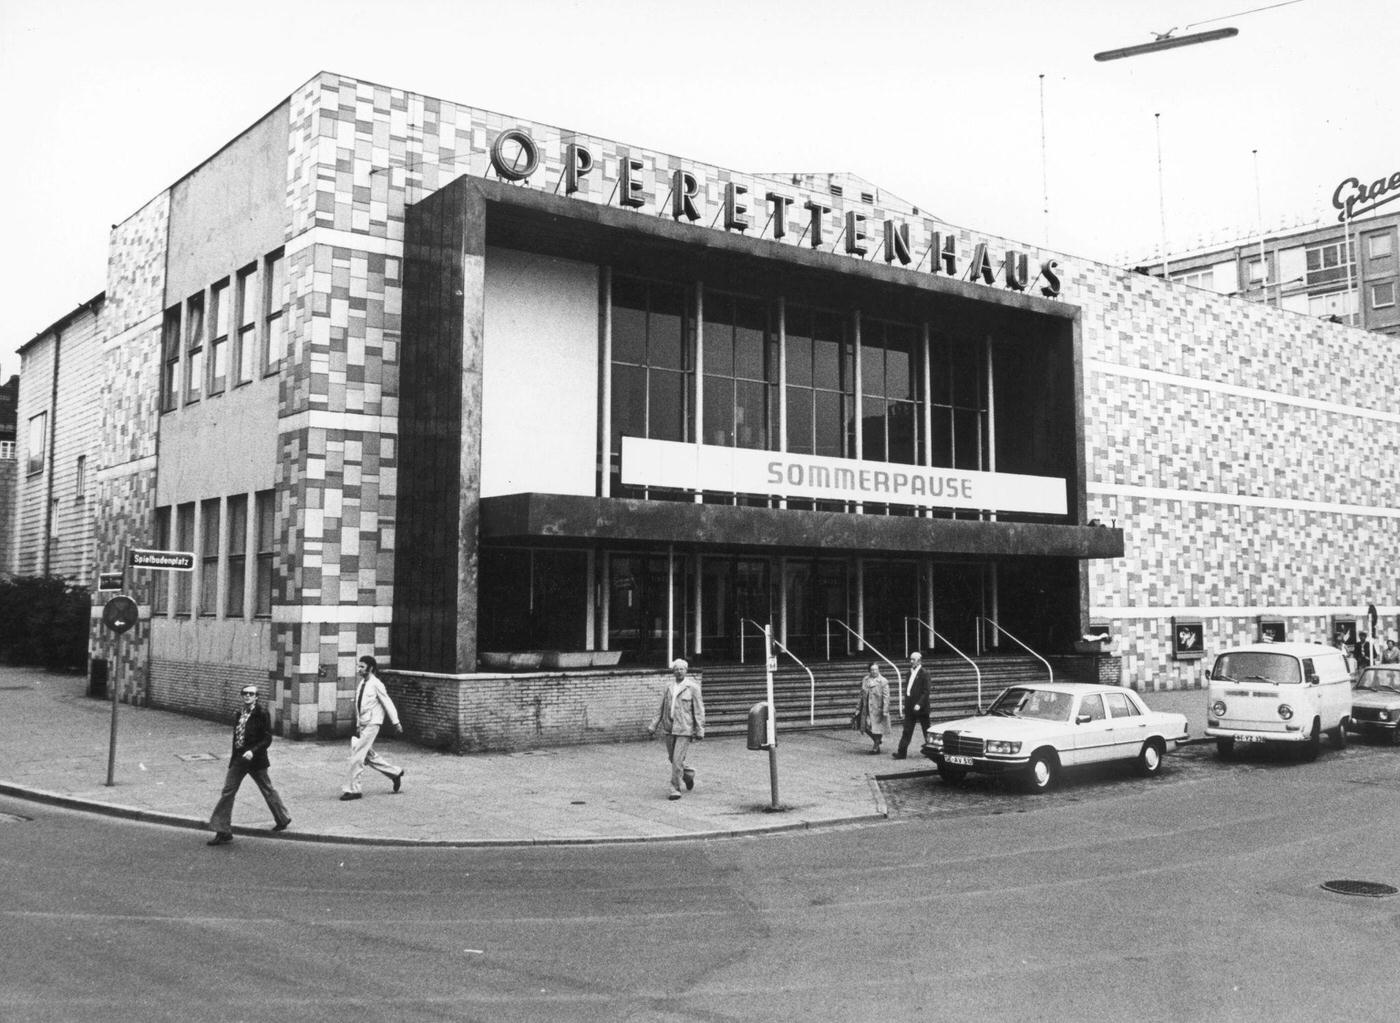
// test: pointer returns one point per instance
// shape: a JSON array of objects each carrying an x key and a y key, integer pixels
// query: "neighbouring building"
[
  {"x": 1345, "y": 270},
  {"x": 470, "y": 393}
]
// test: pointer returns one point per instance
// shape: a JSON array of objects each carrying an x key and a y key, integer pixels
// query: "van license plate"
[{"x": 960, "y": 761}]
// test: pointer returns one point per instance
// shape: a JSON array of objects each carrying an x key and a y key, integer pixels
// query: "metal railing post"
[
  {"x": 969, "y": 660},
  {"x": 994, "y": 624}
]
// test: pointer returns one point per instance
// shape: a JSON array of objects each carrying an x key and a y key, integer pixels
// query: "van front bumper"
[{"x": 1253, "y": 735}]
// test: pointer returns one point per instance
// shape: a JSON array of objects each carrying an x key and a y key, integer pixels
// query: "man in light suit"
[
  {"x": 915, "y": 704},
  {"x": 372, "y": 705},
  {"x": 681, "y": 719}
]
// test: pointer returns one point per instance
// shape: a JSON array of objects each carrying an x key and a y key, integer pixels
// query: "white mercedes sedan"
[{"x": 1032, "y": 731}]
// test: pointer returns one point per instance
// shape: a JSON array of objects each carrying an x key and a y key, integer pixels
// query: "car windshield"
[
  {"x": 1256, "y": 666},
  {"x": 1020, "y": 702},
  {"x": 1377, "y": 679}
]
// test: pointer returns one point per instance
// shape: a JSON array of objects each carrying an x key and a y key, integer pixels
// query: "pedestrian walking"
[
  {"x": 372, "y": 706},
  {"x": 873, "y": 711},
  {"x": 915, "y": 704},
  {"x": 681, "y": 719},
  {"x": 252, "y": 735}
]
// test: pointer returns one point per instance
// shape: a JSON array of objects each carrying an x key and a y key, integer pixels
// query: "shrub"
[{"x": 44, "y": 620}]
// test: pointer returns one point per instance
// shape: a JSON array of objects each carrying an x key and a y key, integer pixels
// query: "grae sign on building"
[{"x": 664, "y": 463}]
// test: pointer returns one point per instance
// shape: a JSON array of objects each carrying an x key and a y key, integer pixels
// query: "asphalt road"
[{"x": 1192, "y": 896}]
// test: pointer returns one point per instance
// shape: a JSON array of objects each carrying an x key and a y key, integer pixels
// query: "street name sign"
[{"x": 166, "y": 561}]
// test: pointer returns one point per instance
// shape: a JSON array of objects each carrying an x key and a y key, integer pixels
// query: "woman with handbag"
[{"x": 872, "y": 714}]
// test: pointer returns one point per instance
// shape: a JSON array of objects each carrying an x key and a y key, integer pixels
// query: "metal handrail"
[
  {"x": 997, "y": 626},
  {"x": 812, "y": 679},
  {"x": 938, "y": 635},
  {"x": 871, "y": 646}
]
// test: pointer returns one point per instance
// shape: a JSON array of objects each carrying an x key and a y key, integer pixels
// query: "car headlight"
[
  {"x": 1218, "y": 708},
  {"x": 1384, "y": 715},
  {"x": 1003, "y": 747},
  {"x": 934, "y": 741},
  {"x": 1285, "y": 712}
]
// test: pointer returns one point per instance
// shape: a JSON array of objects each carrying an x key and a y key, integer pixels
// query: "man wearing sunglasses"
[{"x": 252, "y": 735}]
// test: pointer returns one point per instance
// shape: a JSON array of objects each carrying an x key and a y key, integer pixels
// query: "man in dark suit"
[
  {"x": 915, "y": 704},
  {"x": 252, "y": 735}
]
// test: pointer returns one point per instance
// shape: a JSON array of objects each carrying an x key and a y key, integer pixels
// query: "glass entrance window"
[
  {"x": 740, "y": 406},
  {"x": 958, "y": 600},
  {"x": 637, "y": 606},
  {"x": 652, "y": 367},
  {"x": 533, "y": 599},
  {"x": 891, "y": 596},
  {"x": 816, "y": 589},
  {"x": 735, "y": 603},
  {"x": 958, "y": 410}
]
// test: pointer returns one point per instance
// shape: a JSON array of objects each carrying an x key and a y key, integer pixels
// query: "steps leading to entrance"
[{"x": 731, "y": 689}]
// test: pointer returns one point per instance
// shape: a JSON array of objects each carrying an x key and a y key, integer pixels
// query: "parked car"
[
  {"x": 1281, "y": 693},
  {"x": 1032, "y": 731},
  {"x": 1375, "y": 702}
]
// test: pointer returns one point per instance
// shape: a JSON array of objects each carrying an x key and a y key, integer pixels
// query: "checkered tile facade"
[{"x": 1250, "y": 455}]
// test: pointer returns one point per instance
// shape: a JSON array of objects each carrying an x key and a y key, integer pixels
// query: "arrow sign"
[
  {"x": 162, "y": 561},
  {"x": 119, "y": 614}
]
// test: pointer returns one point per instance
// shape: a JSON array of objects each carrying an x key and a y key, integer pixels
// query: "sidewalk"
[{"x": 169, "y": 769}]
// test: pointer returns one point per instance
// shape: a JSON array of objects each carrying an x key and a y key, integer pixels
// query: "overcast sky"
[{"x": 938, "y": 101}]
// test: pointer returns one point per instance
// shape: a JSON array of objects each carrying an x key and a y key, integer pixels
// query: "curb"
[{"x": 880, "y": 815}]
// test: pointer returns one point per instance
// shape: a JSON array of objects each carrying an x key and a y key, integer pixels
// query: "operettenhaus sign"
[{"x": 515, "y": 157}]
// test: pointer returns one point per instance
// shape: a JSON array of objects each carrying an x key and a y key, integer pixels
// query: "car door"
[
  {"x": 1093, "y": 738},
  {"x": 1129, "y": 726}
]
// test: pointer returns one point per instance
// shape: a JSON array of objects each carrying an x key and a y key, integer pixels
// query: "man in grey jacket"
[
  {"x": 372, "y": 705},
  {"x": 681, "y": 719}
]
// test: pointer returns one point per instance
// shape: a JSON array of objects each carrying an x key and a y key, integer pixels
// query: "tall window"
[
  {"x": 1327, "y": 263},
  {"x": 739, "y": 402},
  {"x": 958, "y": 405},
  {"x": 890, "y": 371},
  {"x": 194, "y": 348},
  {"x": 184, "y": 541},
  {"x": 219, "y": 315},
  {"x": 263, "y": 508},
  {"x": 275, "y": 332},
  {"x": 160, "y": 603},
  {"x": 247, "y": 323},
  {"x": 170, "y": 348},
  {"x": 237, "y": 555},
  {"x": 36, "y": 449},
  {"x": 651, "y": 364},
  {"x": 820, "y": 384},
  {"x": 209, "y": 557},
  {"x": 80, "y": 478}
]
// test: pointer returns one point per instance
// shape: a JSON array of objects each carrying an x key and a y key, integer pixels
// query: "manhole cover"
[
  {"x": 187, "y": 757},
  {"x": 13, "y": 818},
  {"x": 1374, "y": 889}
]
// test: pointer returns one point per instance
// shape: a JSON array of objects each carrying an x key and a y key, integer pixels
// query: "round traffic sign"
[{"x": 119, "y": 614}]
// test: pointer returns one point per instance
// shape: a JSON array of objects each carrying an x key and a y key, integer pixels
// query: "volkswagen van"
[{"x": 1283, "y": 693}]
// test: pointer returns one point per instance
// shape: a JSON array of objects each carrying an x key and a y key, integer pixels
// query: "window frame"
[
  {"x": 194, "y": 348},
  {"x": 236, "y": 556},
  {"x": 265, "y": 543},
  {"x": 246, "y": 313},
  {"x": 220, "y": 315},
  {"x": 36, "y": 460},
  {"x": 274, "y": 309},
  {"x": 208, "y": 556},
  {"x": 1375, "y": 288}
]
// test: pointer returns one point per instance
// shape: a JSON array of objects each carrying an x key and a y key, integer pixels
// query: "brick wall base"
[
  {"x": 495, "y": 713},
  {"x": 207, "y": 691}
]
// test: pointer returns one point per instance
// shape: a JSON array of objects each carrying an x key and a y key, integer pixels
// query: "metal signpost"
[
  {"x": 772, "y": 663},
  {"x": 119, "y": 614}
]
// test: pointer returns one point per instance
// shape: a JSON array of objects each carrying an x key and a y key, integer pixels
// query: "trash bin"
[
  {"x": 97, "y": 678},
  {"x": 758, "y": 726}
]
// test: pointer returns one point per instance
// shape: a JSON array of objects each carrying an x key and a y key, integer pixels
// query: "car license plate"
[
  {"x": 1249, "y": 738},
  {"x": 960, "y": 761}
]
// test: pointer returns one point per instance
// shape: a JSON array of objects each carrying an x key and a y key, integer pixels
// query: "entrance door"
[
  {"x": 816, "y": 590},
  {"x": 891, "y": 596},
  {"x": 734, "y": 601},
  {"x": 958, "y": 598}
]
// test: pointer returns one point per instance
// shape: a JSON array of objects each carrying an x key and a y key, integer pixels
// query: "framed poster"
[
  {"x": 1188, "y": 639},
  {"x": 1272, "y": 630}
]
